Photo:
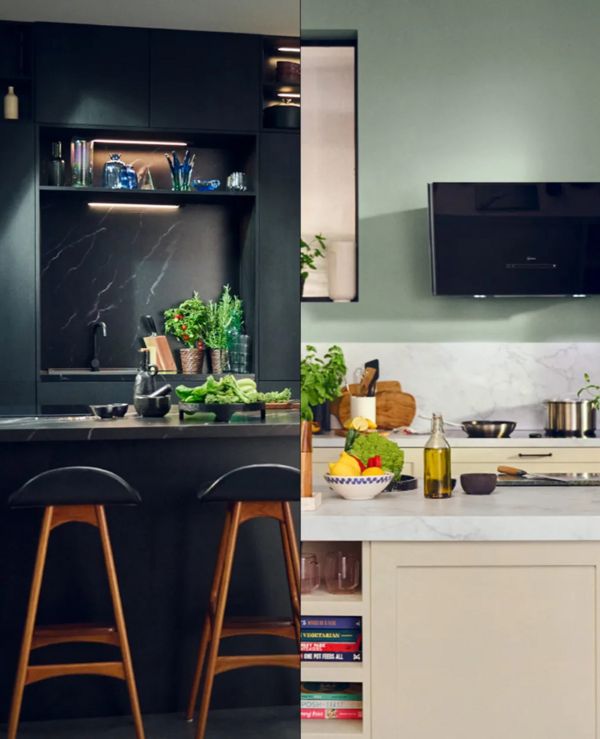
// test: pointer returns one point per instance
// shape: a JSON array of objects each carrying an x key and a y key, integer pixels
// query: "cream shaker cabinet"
[{"x": 474, "y": 640}]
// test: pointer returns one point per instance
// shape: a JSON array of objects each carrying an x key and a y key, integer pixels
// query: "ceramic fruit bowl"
[{"x": 360, "y": 487}]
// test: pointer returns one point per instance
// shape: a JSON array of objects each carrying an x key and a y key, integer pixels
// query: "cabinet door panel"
[
  {"x": 17, "y": 271},
  {"x": 205, "y": 80},
  {"x": 279, "y": 258},
  {"x": 92, "y": 75},
  {"x": 492, "y": 641}
]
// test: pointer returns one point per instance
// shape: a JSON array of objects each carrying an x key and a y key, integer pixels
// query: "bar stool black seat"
[
  {"x": 74, "y": 495},
  {"x": 253, "y": 491}
]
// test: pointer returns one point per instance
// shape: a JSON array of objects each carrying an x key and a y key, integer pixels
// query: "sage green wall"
[{"x": 460, "y": 90}]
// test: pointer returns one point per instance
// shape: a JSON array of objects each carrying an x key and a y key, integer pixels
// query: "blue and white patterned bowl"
[{"x": 359, "y": 488}]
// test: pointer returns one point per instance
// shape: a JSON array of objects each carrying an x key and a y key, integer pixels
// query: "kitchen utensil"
[
  {"x": 342, "y": 572},
  {"x": 488, "y": 429},
  {"x": 103, "y": 412},
  {"x": 478, "y": 483},
  {"x": 567, "y": 479},
  {"x": 164, "y": 390},
  {"x": 516, "y": 472},
  {"x": 568, "y": 418},
  {"x": 359, "y": 488},
  {"x": 366, "y": 381},
  {"x": 394, "y": 407},
  {"x": 374, "y": 363},
  {"x": 310, "y": 576},
  {"x": 165, "y": 361},
  {"x": 119, "y": 409},
  {"x": 149, "y": 325},
  {"x": 149, "y": 407}
]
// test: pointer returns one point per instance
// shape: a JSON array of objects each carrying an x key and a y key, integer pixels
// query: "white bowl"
[{"x": 359, "y": 487}]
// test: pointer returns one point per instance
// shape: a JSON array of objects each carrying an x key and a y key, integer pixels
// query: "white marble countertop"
[
  {"x": 458, "y": 439},
  {"x": 508, "y": 514}
]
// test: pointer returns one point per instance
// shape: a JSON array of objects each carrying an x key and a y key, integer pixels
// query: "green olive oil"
[{"x": 438, "y": 477}]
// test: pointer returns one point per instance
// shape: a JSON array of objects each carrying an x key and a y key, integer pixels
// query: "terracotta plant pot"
[
  {"x": 191, "y": 361},
  {"x": 218, "y": 361}
]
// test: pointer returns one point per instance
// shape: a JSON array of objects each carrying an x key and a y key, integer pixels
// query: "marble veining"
[
  {"x": 463, "y": 380},
  {"x": 508, "y": 514}
]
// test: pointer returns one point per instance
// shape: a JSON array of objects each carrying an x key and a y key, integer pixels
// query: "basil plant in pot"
[
  {"x": 310, "y": 252},
  {"x": 224, "y": 319},
  {"x": 321, "y": 380},
  {"x": 186, "y": 323}
]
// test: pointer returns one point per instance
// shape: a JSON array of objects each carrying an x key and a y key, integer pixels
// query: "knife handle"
[{"x": 514, "y": 471}]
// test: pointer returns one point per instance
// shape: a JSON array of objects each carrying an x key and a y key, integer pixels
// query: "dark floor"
[{"x": 279, "y": 722}]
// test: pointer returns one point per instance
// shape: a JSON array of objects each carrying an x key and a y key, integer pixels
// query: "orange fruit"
[{"x": 373, "y": 472}]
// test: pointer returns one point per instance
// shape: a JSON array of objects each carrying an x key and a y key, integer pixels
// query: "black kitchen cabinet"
[
  {"x": 205, "y": 80},
  {"x": 91, "y": 75},
  {"x": 17, "y": 270},
  {"x": 279, "y": 258}
]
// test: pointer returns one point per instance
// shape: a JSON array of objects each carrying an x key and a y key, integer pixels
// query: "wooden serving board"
[
  {"x": 393, "y": 407},
  {"x": 165, "y": 361}
]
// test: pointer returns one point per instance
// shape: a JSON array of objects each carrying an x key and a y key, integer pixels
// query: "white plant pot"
[{"x": 341, "y": 271}]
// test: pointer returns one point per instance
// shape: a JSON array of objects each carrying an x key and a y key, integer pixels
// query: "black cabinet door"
[
  {"x": 279, "y": 258},
  {"x": 94, "y": 75},
  {"x": 17, "y": 271},
  {"x": 205, "y": 80}
]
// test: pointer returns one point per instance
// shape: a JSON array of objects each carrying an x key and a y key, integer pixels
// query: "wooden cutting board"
[
  {"x": 165, "y": 361},
  {"x": 393, "y": 407}
]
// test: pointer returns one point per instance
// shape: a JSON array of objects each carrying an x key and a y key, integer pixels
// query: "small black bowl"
[
  {"x": 478, "y": 483},
  {"x": 102, "y": 412},
  {"x": 119, "y": 409},
  {"x": 152, "y": 407}
]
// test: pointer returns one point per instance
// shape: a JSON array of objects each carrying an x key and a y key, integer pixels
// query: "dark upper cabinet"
[
  {"x": 279, "y": 258},
  {"x": 91, "y": 75},
  {"x": 17, "y": 270},
  {"x": 205, "y": 80}
]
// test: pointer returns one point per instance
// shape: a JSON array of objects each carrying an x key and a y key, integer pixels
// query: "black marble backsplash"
[{"x": 115, "y": 265}]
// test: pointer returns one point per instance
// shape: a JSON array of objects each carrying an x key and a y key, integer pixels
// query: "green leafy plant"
[
  {"x": 591, "y": 390},
  {"x": 321, "y": 378},
  {"x": 187, "y": 321},
  {"x": 310, "y": 251},
  {"x": 223, "y": 318}
]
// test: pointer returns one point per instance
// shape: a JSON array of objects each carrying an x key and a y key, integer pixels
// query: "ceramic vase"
[{"x": 341, "y": 271}]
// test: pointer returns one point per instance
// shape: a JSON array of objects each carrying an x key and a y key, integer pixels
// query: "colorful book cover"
[
  {"x": 342, "y": 714},
  {"x": 331, "y": 622},
  {"x": 329, "y": 703},
  {"x": 333, "y": 691},
  {"x": 323, "y": 646},
  {"x": 331, "y": 635},
  {"x": 331, "y": 656}
]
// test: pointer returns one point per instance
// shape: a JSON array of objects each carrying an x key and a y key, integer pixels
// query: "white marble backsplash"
[{"x": 480, "y": 380}]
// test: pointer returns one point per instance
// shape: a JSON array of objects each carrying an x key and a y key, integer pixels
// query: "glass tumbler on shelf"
[
  {"x": 342, "y": 572},
  {"x": 82, "y": 162},
  {"x": 239, "y": 354},
  {"x": 310, "y": 573}
]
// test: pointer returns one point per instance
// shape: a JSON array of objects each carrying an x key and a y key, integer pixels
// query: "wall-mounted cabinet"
[
  {"x": 16, "y": 64},
  {"x": 91, "y": 75},
  {"x": 204, "y": 80}
]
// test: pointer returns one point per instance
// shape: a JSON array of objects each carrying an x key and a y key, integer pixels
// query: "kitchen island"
[
  {"x": 480, "y": 613},
  {"x": 165, "y": 551}
]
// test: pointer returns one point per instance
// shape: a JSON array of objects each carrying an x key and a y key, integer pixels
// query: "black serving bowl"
[
  {"x": 119, "y": 409},
  {"x": 478, "y": 483},
  {"x": 102, "y": 412},
  {"x": 152, "y": 407}
]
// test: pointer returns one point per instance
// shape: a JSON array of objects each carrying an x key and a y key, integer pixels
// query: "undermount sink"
[{"x": 88, "y": 371}]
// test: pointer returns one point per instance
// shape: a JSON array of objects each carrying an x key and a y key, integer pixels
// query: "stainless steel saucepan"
[{"x": 570, "y": 418}]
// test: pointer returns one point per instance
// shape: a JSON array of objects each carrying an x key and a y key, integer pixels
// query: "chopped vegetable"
[
  {"x": 229, "y": 390},
  {"x": 366, "y": 446}
]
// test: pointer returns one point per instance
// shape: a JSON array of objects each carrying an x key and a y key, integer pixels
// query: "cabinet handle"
[{"x": 547, "y": 454}]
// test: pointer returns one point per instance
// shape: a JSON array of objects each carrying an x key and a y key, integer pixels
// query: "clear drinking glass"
[
  {"x": 342, "y": 572},
  {"x": 310, "y": 572}
]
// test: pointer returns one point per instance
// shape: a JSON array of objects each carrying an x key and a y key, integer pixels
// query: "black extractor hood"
[{"x": 506, "y": 239}]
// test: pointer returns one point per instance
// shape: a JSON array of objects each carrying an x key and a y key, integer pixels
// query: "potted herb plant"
[
  {"x": 310, "y": 251},
  {"x": 321, "y": 381},
  {"x": 224, "y": 319},
  {"x": 186, "y": 323}
]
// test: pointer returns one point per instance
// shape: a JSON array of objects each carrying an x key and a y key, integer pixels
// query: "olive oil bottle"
[{"x": 438, "y": 478}]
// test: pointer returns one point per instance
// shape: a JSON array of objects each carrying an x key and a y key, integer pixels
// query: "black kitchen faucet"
[{"x": 95, "y": 362}]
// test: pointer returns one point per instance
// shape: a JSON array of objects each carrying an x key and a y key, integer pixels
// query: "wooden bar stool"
[
  {"x": 255, "y": 491},
  {"x": 74, "y": 495}
]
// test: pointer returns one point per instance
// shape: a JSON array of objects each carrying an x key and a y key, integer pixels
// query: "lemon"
[
  {"x": 360, "y": 423},
  {"x": 339, "y": 469},
  {"x": 349, "y": 461},
  {"x": 373, "y": 472},
  {"x": 372, "y": 424}
]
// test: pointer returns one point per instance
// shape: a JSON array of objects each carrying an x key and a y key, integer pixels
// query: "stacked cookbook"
[
  {"x": 341, "y": 701},
  {"x": 331, "y": 639}
]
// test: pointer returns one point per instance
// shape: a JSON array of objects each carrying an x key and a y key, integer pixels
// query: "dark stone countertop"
[{"x": 87, "y": 428}]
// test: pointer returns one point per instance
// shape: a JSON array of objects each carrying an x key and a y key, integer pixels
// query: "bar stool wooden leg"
[
  {"x": 120, "y": 622},
  {"x": 289, "y": 523},
  {"x": 218, "y": 618},
  {"x": 291, "y": 578},
  {"x": 34, "y": 599},
  {"x": 207, "y": 626}
]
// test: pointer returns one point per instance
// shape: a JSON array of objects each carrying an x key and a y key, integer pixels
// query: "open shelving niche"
[{"x": 322, "y": 603}]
